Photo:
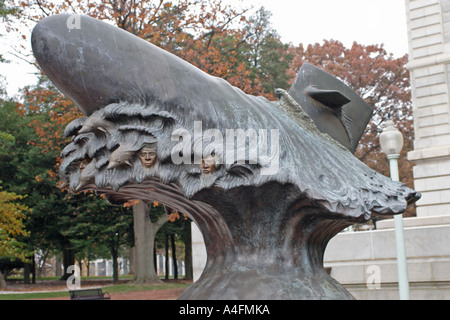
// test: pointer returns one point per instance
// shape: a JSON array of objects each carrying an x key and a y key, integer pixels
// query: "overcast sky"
[
  {"x": 301, "y": 21},
  {"x": 364, "y": 21}
]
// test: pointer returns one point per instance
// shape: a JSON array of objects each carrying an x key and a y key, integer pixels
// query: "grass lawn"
[{"x": 115, "y": 288}]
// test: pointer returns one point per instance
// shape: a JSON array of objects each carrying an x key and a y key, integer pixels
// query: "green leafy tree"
[
  {"x": 268, "y": 57},
  {"x": 30, "y": 166},
  {"x": 95, "y": 223},
  {"x": 26, "y": 172},
  {"x": 12, "y": 214},
  {"x": 175, "y": 237},
  {"x": 71, "y": 223},
  {"x": 7, "y": 10}
]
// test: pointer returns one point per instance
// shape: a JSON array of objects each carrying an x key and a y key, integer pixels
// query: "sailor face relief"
[
  {"x": 148, "y": 156},
  {"x": 84, "y": 163},
  {"x": 208, "y": 165}
]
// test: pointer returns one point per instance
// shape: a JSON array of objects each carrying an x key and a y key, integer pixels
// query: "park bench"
[{"x": 89, "y": 294}]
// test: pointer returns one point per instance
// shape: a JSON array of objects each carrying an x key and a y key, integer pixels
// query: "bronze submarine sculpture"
[{"x": 268, "y": 183}]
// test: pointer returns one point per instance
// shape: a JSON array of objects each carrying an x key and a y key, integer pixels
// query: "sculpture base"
[
  {"x": 269, "y": 282},
  {"x": 263, "y": 243}
]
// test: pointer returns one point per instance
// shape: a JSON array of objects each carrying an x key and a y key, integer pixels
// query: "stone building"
[
  {"x": 367, "y": 266},
  {"x": 429, "y": 51}
]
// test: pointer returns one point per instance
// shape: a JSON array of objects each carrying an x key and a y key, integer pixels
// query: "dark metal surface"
[
  {"x": 333, "y": 106},
  {"x": 265, "y": 234}
]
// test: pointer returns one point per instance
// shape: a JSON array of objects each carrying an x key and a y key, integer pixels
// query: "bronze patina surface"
[{"x": 266, "y": 219}]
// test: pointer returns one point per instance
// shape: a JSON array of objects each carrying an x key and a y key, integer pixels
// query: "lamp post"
[{"x": 391, "y": 142}]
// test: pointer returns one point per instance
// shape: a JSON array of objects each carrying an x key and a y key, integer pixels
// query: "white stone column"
[{"x": 429, "y": 51}]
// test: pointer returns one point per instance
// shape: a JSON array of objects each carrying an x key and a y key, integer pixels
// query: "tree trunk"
[
  {"x": 188, "y": 251},
  {"x": 144, "y": 239},
  {"x": 68, "y": 260},
  {"x": 41, "y": 271},
  {"x": 155, "y": 259},
  {"x": 2, "y": 281},
  {"x": 58, "y": 267},
  {"x": 167, "y": 256},
  {"x": 33, "y": 269},
  {"x": 80, "y": 264},
  {"x": 174, "y": 256},
  {"x": 132, "y": 260},
  {"x": 115, "y": 256},
  {"x": 26, "y": 273}
]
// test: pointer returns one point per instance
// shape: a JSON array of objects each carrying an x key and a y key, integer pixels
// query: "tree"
[
  {"x": 382, "y": 81},
  {"x": 19, "y": 164},
  {"x": 187, "y": 239},
  {"x": 45, "y": 111},
  {"x": 12, "y": 214},
  {"x": 175, "y": 238},
  {"x": 97, "y": 224},
  {"x": 30, "y": 168},
  {"x": 148, "y": 219},
  {"x": 269, "y": 58},
  {"x": 6, "y": 12}
]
